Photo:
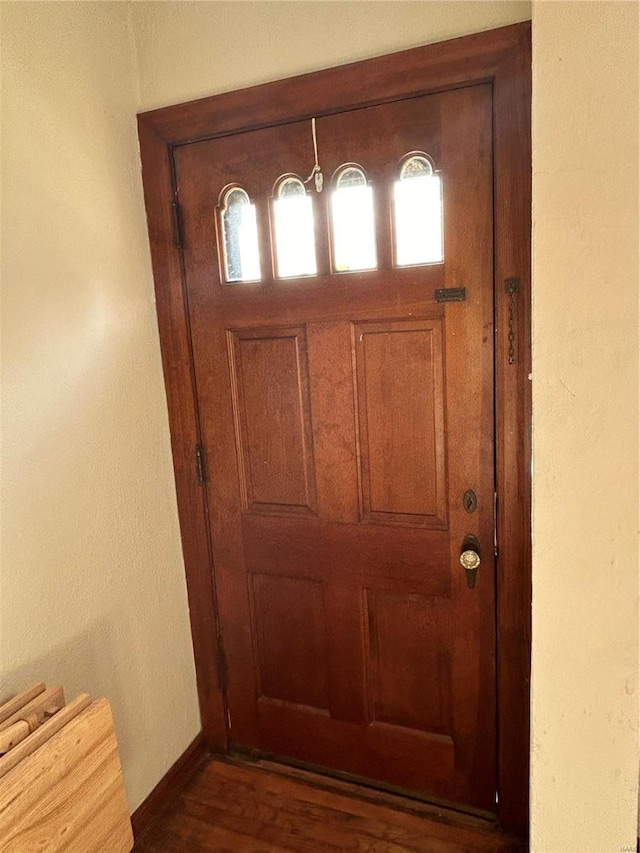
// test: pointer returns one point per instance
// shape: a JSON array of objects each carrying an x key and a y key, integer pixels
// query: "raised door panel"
[
  {"x": 270, "y": 387},
  {"x": 289, "y": 630},
  {"x": 409, "y": 660},
  {"x": 401, "y": 438}
]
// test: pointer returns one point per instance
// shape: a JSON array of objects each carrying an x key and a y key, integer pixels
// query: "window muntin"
[
  {"x": 294, "y": 229},
  {"x": 417, "y": 214},
  {"x": 240, "y": 236},
  {"x": 417, "y": 204},
  {"x": 352, "y": 221}
]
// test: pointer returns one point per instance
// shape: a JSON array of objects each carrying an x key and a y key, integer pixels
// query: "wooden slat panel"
[
  {"x": 43, "y": 734},
  {"x": 12, "y": 705},
  {"x": 49, "y": 700},
  {"x": 68, "y": 795}
]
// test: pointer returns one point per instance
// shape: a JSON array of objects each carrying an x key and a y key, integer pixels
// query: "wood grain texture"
[
  {"x": 502, "y": 58},
  {"x": 43, "y": 734},
  {"x": 16, "y": 702},
  {"x": 68, "y": 795},
  {"x": 44, "y": 704},
  {"x": 270, "y": 382},
  {"x": 12, "y": 735},
  {"x": 512, "y": 190},
  {"x": 400, "y": 379},
  {"x": 244, "y": 808}
]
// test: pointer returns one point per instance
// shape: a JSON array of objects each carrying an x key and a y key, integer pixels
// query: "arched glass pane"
[
  {"x": 240, "y": 232},
  {"x": 354, "y": 237},
  {"x": 351, "y": 177},
  {"x": 294, "y": 229},
  {"x": 417, "y": 197},
  {"x": 416, "y": 167},
  {"x": 290, "y": 187}
]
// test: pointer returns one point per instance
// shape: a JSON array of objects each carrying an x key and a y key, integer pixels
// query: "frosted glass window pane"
[
  {"x": 240, "y": 229},
  {"x": 418, "y": 166},
  {"x": 418, "y": 220},
  {"x": 290, "y": 188},
  {"x": 294, "y": 230},
  {"x": 354, "y": 239}
]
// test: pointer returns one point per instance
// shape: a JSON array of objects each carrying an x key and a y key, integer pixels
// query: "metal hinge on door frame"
[
  {"x": 175, "y": 219},
  {"x": 221, "y": 663},
  {"x": 201, "y": 467}
]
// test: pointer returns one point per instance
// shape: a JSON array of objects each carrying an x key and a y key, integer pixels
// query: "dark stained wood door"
[{"x": 344, "y": 416}]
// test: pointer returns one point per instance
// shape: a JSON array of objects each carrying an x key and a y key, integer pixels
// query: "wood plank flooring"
[{"x": 258, "y": 808}]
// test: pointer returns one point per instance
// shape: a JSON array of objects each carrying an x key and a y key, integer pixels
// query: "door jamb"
[{"x": 503, "y": 58}]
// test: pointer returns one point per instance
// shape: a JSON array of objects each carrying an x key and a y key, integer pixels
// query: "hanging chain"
[
  {"x": 316, "y": 172},
  {"x": 512, "y": 286}
]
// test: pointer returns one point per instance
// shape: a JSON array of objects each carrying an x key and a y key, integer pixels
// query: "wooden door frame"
[{"x": 501, "y": 57}]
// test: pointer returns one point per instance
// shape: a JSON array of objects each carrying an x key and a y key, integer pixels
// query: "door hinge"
[
  {"x": 201, "y": 467},
  {"x": 222, "y": 667},
  {"x": 177, "y": 225},
  {"x": 495, "y": 524}
]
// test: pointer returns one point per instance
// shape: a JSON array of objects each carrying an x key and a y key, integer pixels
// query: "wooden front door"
[{"x": 346, "y": 417}]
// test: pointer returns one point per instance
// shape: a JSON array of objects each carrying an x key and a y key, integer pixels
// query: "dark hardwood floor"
[{"x": 262, "y": 808}]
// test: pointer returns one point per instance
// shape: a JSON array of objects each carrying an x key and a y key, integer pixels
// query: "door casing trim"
[{"x": 503, "y": 58}]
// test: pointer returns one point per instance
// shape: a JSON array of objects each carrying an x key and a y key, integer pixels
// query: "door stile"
[
  {"x": 502, "y": 57},
  {"x": 512, "y": 213}
]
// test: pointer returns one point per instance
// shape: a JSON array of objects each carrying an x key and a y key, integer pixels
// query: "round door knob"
[{"x": 470, "y": 560}]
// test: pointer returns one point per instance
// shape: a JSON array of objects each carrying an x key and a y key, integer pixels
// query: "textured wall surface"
[
  {"x": 190, "y": 49},
  {"x": 92, "y": 590},
  {"x": 585, "y": 375}
]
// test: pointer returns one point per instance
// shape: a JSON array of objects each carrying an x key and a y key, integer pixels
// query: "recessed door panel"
[
  {"x": 400, "y": 400},
  {"x": 290, "y": 636},
  {"x": 273, "y": 423},
  {"x": 409, "y": 660}
]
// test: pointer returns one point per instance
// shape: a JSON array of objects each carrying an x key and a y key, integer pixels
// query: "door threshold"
[{"x": 365, "y": 790}]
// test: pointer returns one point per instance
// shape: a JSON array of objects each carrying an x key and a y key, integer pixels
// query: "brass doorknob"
[{"x": 470, "y": 559}]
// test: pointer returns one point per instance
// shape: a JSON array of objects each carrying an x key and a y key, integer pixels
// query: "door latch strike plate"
[{"x": 450, "y": 294}]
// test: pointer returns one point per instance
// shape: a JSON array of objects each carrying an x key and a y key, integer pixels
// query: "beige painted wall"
[
  {"x": 190, "y": 49},
  {"x": 92, "y": 591},
  {"x": 585, "y": 332}
]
